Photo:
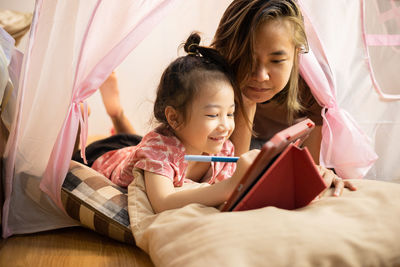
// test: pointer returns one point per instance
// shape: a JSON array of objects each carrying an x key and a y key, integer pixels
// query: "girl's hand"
[
  {"x": 331, "y": 178},
  {"x": 243, "y": 165},
  {"x": 163, "y": 196}
]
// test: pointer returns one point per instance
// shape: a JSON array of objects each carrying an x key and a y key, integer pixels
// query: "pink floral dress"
[{"x": 161, "y": 152}]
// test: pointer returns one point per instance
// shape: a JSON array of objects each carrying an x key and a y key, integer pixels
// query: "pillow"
[
  {"x": 96, "y": 202},
  {"x": 359, "y": 228}
]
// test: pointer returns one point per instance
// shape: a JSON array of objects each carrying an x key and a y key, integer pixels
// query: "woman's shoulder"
[{"x": 312, "y": 109}]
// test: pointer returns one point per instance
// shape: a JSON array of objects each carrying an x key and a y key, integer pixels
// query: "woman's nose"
[{"x": 260, "y": 74}]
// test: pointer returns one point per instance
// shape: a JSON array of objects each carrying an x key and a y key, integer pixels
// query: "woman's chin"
[{"x": 258, "y": 97}]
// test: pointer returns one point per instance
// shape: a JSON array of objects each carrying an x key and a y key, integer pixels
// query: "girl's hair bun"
[{"x": 192, "y": 43}]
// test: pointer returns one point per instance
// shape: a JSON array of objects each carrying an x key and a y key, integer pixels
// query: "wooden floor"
[{"x": 69, "y": 247}]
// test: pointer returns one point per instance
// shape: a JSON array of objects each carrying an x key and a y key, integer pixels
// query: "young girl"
[{"x": 195, "y": 107}]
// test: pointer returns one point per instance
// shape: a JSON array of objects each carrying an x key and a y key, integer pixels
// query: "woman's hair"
[
  {"x": 235, "y": 36},
  {"x": 185, "y": 76}
]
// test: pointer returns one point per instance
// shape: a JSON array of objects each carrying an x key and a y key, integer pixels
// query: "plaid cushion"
[{"x": 96, "y": 202}]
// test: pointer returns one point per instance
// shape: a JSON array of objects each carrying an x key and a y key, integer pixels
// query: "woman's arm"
[
  {"x": 163, "y": 196},
  {"x": 241, "y": 136},
  {"x": 313, "y": 143}
]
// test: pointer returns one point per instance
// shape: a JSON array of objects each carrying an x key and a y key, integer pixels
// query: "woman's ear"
[
  {"x": 172, "y": 116},
  {"x": 300, "y": 50}
]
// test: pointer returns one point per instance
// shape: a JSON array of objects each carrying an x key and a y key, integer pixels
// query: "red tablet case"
[
  {"x": 291, "y": 182},
  {"x": 274, "y": 150}
]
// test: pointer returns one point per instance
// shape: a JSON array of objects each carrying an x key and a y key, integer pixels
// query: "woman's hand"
[{"x": 331, "y": 178}]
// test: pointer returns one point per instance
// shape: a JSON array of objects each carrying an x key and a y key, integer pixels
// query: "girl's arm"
[
  {"x": 162, "y": 195},
  {"x": 241, "y": 136}
]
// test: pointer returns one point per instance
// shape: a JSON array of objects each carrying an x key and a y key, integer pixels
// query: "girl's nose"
[{"x": 224, "y": 123}]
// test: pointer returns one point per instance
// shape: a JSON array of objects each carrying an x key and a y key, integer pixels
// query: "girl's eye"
[
  {"x": 212, "y": 115},
  {"x": 231, "y": 114}
]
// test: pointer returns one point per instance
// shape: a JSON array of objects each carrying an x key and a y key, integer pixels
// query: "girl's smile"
[{"x": 219, "y": 139}]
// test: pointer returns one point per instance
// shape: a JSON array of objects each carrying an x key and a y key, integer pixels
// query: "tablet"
[{"x": 296, "y": 134}]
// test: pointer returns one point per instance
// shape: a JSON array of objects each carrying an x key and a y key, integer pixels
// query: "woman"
[
  {"x": 267, "y": 37},
  {"x": 262, "y": 41}
]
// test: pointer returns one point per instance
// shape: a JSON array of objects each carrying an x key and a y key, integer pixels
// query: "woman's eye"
[
  {"x": 212, "y": 115},
  {"x": 278, "y": 61},
  {"x": 231, "y": 114}
]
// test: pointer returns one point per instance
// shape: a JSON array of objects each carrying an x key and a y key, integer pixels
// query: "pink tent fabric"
[
  {"x": 73, "y": 47},
  {"x": 385, "y": 40},
  {"x": 339, "y": 130},
  {"x": 107, "y": 31},
  {"x": 89, "y": 77}
]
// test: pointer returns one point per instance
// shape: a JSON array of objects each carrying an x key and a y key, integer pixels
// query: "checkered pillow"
[{"x": 96, "y": 202}]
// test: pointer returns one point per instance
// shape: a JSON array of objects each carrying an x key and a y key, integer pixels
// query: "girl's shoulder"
[{"x": 161, "y": 137}]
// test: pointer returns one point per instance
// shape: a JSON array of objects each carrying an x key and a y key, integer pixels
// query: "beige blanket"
[{"x": 360, "y": 228}]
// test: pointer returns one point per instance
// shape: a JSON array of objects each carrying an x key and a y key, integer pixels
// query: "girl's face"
[
  {"x": 273, "y": 57},
  {"x": 211, "y": 119}
]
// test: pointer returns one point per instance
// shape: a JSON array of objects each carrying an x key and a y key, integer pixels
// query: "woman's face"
[{"x": 273, "y": 57}]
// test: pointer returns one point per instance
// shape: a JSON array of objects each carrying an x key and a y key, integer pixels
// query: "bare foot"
[
  {"x": 110, "y": 96},
  {"x": 82, "y": 109}
]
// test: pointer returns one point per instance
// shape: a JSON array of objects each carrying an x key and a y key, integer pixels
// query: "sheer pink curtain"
[
  {"x": 73, "y": 47},
  {"x": 89, "y": 77},
  {"x": 344, "y": 146},
  {"x": 387, "y": 40}
]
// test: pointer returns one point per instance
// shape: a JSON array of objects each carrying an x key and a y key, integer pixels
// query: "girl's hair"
[
  {"x": 235, "y": 36},
  {"x": 185, "y": 76}
]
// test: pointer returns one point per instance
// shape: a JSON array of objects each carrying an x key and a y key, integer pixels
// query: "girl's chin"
[{"x": 214, "y": 150}]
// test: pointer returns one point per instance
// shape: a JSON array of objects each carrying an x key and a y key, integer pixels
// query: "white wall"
[
  {"x": 139, "y": 74},
  {"x": 18, "y": 5}
]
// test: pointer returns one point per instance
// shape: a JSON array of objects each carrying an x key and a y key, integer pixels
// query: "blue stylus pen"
[{"x": 210, "y": 158}]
